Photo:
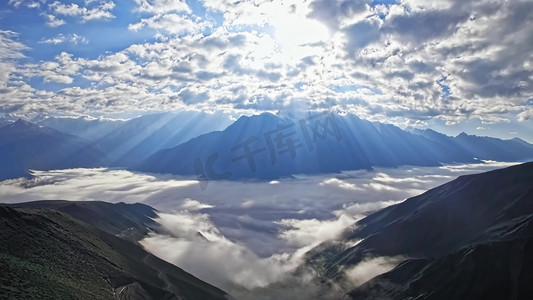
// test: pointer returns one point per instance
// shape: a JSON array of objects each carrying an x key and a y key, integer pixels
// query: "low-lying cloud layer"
[{"x": 245, "y": 235}]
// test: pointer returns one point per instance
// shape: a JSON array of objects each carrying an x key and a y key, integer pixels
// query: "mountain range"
[
  {"x": 127, "y": 142},
  {"x": 268, "y": 147},
  {"x": 260, "y": 147}
]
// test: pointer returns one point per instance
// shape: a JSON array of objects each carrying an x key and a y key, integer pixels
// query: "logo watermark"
[{"x": 282, "y": 140}]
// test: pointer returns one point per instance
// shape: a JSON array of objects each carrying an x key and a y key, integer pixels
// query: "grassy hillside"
[{"x": 46, "y": 254}]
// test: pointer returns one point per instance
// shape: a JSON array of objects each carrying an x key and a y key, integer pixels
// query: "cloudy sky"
[{"x": 450, "y": 64}]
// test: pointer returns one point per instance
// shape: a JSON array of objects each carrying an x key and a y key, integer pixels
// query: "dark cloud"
[
  {"x": 420, "y": 27},
  {"x": 191, "y": 97},
  {"x": 360, "y": 35},
  {"x": 332, "y": 13}
]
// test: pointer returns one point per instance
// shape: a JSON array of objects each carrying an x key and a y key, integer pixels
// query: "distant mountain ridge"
[
  {"x": 127, "y": 142},
  {"x": 25, "y": 145},
  {"x": 267, "y": 147},
  {"x": 263, "y": 147}
]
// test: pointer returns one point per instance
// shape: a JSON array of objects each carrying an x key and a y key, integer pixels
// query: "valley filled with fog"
[{"x": 245, "y": 235}]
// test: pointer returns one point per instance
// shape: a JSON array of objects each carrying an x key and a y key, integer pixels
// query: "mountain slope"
[
  {"x": 90, "y": 129},
  {"x": 486, "y": 148},
  {"x": 128, "y": 221},
  {"x": 24, "y": 146},
  {"x": 443, "y": 219},
  {"x": 268, "y": 146},
  {"x": 459, "y": 241},
  {"x": 46, "y": 254},
  {"x": 501, "y": 269}
]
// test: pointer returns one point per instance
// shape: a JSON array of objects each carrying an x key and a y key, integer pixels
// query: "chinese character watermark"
[{"x": 282, "y": 140}]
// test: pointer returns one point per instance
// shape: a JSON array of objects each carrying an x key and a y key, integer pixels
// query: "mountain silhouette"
[
  {"x": 268, "y": 146},
  {"x": 25, "y": 145}
]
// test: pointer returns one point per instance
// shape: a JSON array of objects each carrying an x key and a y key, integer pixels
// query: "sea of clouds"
[{"x": 246, "y": 237}]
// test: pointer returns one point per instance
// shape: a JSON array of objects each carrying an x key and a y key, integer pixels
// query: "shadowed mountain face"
[
  {"x": 268, "y": 147},
  {"x": 46, "y": 254},
  {"x": 24, "y": 145},
  {"x": 462, "y": 240},
  {"x": 492, "y": 270}
]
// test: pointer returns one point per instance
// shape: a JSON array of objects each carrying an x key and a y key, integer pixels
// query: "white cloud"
[
  {"x": 340, "y": 184},
  {"x": 195, "y": 244},
  {"x": 61, "y": 38},
  {"x": 10, "y": 51},
  {"x": 101, "y": 11},
  {"x": 53, "y": 21},
  {"x": 194, "y": 205},
  {"x": 525, "y": 115},
  {"x": 60, "y": 70},
  {"x": 370, "y": 268},
  {"x": 169, "y": 16},
  {"x": 407, "y": 62},
  {"x": 170, "y": 23},
  {"x": 162, "y": 6},
  {"x": 26, "y": 3},
  {"x": 52, "y": 77},
  {"x": 300, "y": 233}
]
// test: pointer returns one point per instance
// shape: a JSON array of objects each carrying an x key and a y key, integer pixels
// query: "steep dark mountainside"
[
  {"x": 499, "y": 269},
  {"x": 462, "y": 240},
  {"x": 128, "y": 221},
  {"x": 46, "y": 254},
  {"x": 24, "y": 146},
  {"x": 268, "y": 146}
]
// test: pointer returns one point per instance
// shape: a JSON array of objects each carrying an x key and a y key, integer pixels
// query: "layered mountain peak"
[
  {"x": 256, "y": 122},
  {"x": 269, "y": 146},
  {"x": 22, "y": 124}
]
